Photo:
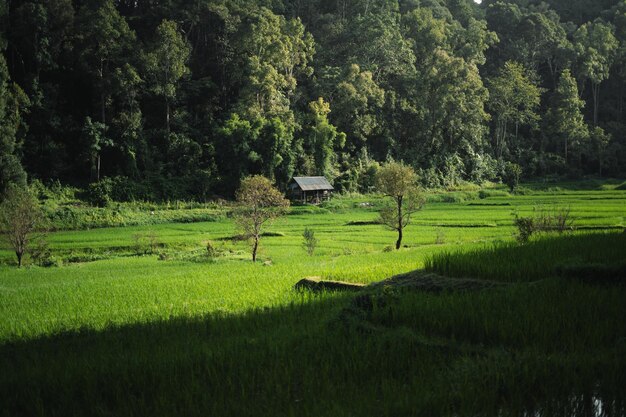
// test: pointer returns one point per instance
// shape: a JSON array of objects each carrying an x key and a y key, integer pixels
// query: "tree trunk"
[
  {"x": 19, "y": 258},
  {"x": 399, "y": 241},
  {"x": 98, "y": 168},
  {"x": 167, "y": 115},
  {"x": 102, "y": 94},
  {"x": 103, "y": 108},
  {"x": 102, "y": 113},
  {"x": 595, "y": 87},
  {"x": 255, "y": 246}
]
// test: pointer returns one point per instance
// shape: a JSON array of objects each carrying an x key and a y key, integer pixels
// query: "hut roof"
[{"x": 313, "y": 183}]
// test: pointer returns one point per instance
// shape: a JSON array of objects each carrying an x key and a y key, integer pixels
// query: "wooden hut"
[{"x": 310, "y": 189}]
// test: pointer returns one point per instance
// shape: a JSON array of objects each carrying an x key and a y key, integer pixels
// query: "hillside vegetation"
[{"x": 181, "y": 99}]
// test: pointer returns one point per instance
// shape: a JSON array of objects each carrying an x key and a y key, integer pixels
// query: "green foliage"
[
  {"x": 98, "y": 194},
  {"x": 399, "y": 182},
  {"x": 185, "y": 100},
  {"x": 566, "y": 118},
  {"x": 20, "y": 217},
  {"x": 259, "y": 203},
  {"x": 525, "y": 227},
  {"x": 41, "y": 254},
  {"x": 13, "y": 103},
  {"x": 514, "y": 100},
  {"x": 146, "y": 243},
  {"x": 595, "y": 45},
  {"x": 211, "y": 250},
  {"x": 542, "y": 221},
  {"x": 167, "y": 63},
  {"x": 324, "y": 139},
  {"x": 511, "y": 175},
  {"x": 309, "y": 241}
]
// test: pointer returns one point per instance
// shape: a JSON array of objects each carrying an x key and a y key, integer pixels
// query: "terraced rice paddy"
[{"x": 122, "y": 326}]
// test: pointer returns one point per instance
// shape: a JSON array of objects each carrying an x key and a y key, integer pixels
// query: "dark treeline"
[{"x": 183, "y": 98}]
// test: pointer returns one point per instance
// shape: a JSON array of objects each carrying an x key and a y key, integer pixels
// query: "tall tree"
[
  {"x": 95, "y": 139},
  {"x": 274, "y": 146},
  {"x": 323, "y": 137},
  {"x": 513, "y": 100},
  {"x": 237, "y": 139},
  {"x": 596, "y": 47},
  {"x": 127, "y": 122},
  {"x": 565, "y": 114},
  {"x": 277, "y": 53},
  {"x": 444, "y": 102},
  {"x": 105, "y": 42},
  {"x": 399, "y": 182},
  {"x": 167, "y": 64},
  {"x": 259, "y": 203},
  {"x": 357, "y": 102},
  {"x": 13, "y": 102},
  {"x": 20, "y": 216}
]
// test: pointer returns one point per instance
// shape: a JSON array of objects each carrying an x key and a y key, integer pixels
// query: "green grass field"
[{"x": 121, "y": 326}]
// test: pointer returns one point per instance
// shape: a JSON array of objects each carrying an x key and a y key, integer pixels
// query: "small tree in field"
[
  {"x": 512, "y": 174},
  {"x": 19, "y": 218},
  {"x": 310, "y": 241},
  {"x": 399, "y": 182},
  {"x": 259, "y": 203}
]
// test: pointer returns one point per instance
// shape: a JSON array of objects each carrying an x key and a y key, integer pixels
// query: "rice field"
[{"x": 140, "y": 321}]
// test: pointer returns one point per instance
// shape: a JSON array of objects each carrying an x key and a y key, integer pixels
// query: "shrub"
[
  {"x": 40, "y": 252},
  {"x": 483, "y": 194},
  {"x": 310, "y": 241},
  {"x": 558, "y": 219},
  {"x": 146, "y": 243},
  {"x": 441, "y": 237},
  {"x": 511, "y": 175},
  {"x": 211, "y": 251},
  {"x": 20, "y": 217},
  {"x": 525, "y": 227},
  {"x": 98, "y": 194},
  {"x": 259, "y": 203}
]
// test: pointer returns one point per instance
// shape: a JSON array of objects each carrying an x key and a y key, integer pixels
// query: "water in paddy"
[{"x": 588, "y": 405}]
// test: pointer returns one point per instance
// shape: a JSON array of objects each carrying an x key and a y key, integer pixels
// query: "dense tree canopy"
[{"x": 184, "y": 99}]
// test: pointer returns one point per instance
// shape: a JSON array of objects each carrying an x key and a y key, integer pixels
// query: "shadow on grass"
[{"x": 323, "y": 356}]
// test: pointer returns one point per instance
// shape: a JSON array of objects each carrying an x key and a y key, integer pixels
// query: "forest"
[{"x": 181, "y": 99}]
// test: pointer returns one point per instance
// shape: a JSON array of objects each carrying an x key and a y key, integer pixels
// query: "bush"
[
  {"x": 146, "y": 243},
  {"x": 98, "y": 194},
  {"x": 511, "y": 175},
  {"x": 334, "y": 205},
  {"x": 211, "y": 251},
  {"x": 483, "y": 194},
  {"x": 40, "y": 252},
  {"x": 310, "y": 241},
  {"x": 558, "y": 219},
  {"x": 440, "y": 238},
  {"x": 452, "y": 197},
  {"x": 20, "y": 217},
  {"x": 525, "y": 227}
]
